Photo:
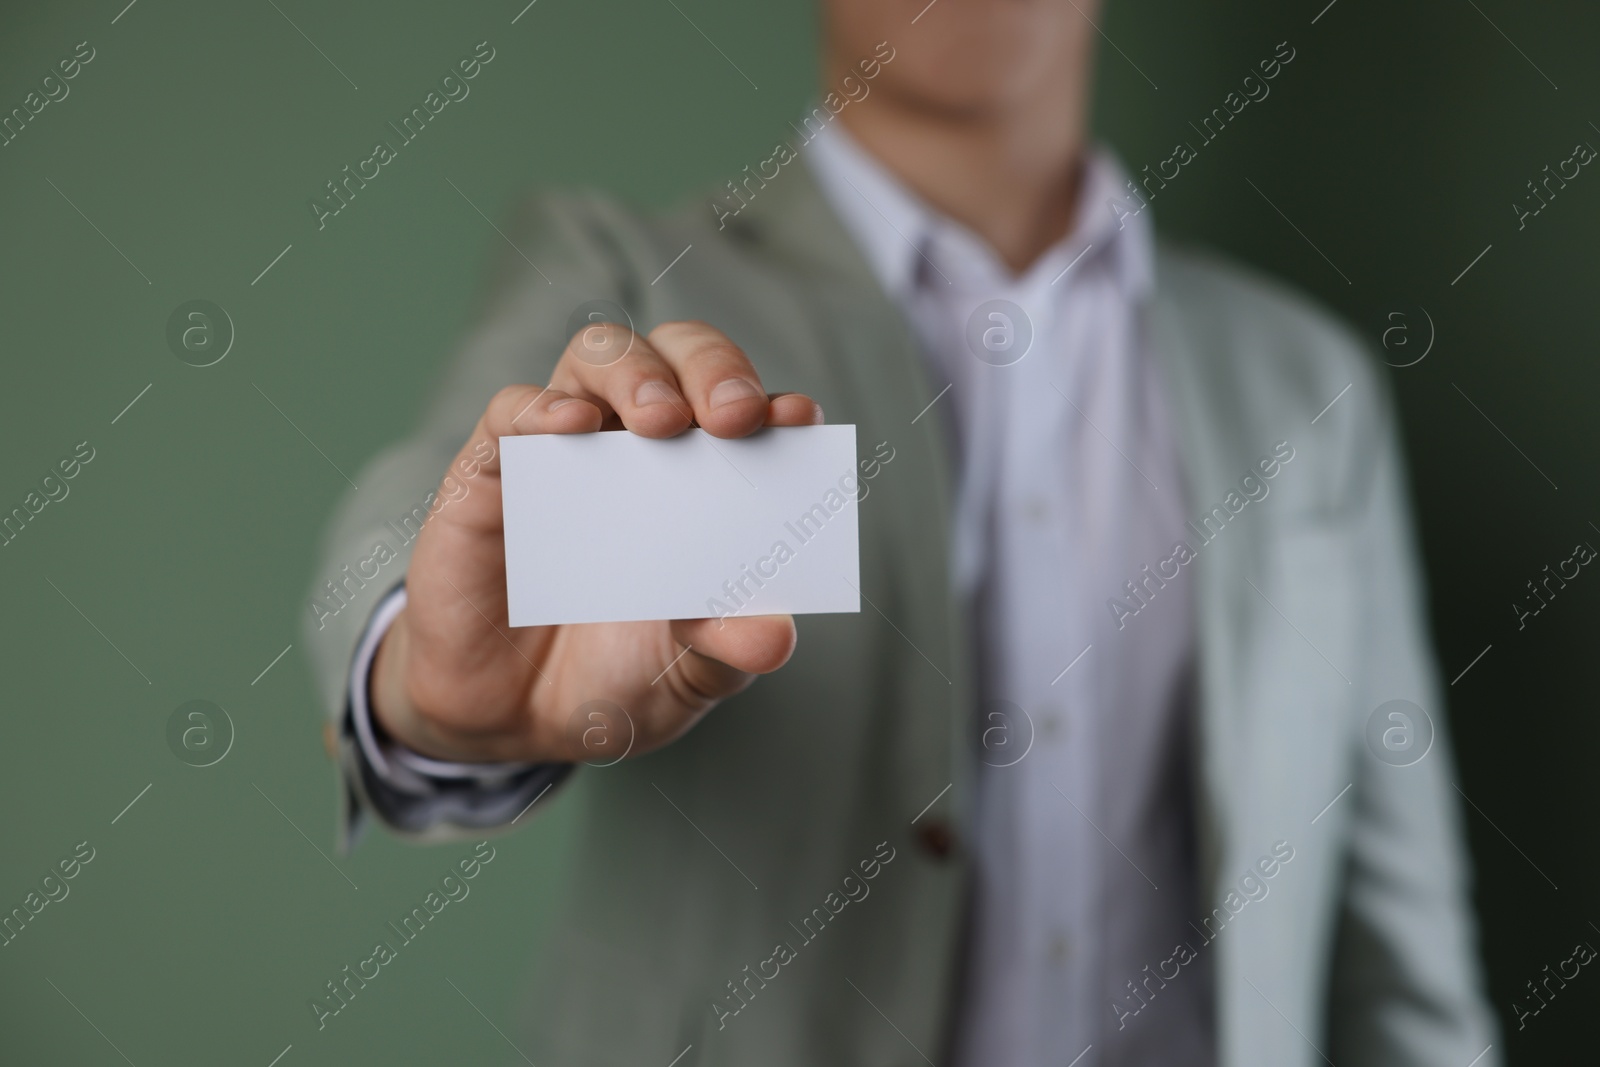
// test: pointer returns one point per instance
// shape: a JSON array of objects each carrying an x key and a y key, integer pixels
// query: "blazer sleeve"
[
  {"x": 1406, "y": 986},
  {"x": 562, "y": 255}
]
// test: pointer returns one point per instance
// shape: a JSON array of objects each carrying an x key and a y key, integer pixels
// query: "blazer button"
[{"x": 935, "y": 839}]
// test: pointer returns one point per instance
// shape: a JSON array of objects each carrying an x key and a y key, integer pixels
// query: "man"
[{"x": 1087, "y": 780}]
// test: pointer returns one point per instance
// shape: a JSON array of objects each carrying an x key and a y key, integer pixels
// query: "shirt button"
[
  {"x": 1050, "y": 725},
  {"x": 1059, "y": 948},
  {"x": 1034, "y": 509}
]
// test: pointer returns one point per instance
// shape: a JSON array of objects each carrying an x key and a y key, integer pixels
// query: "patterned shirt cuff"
[{"x": 413, "y": 791}]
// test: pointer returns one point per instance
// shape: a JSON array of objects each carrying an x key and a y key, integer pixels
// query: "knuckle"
[
  {"x": 684, "y": 330},
  {"x": 721, "y": 350},
  {"x": 504, "y": 396},
  {"x": 595, "y": 333},
  {"x": 598, "y": 345},
  {"x": 509, "y": 395}
]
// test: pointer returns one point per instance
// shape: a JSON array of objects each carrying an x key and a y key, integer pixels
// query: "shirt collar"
[{"x": 904, "y": 239}]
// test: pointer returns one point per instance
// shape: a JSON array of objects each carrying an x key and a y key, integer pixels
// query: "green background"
[{"x": 1396, "y": 141}]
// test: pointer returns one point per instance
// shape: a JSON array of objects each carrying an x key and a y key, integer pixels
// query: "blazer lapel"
[
  {"x": 866, "y": 344},
  {"x": 792, "y": 219},
  {"x": 1207, "y": 416}
]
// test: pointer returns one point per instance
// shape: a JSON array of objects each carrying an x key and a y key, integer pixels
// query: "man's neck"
[{"x": 1013, "y": 181}]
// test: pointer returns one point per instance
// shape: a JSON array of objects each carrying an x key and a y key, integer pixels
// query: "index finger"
[
  {"x": 517, "y": 410},
  {"x": 715, "y": 375}
]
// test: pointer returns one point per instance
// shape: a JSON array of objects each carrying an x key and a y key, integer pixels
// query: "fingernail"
[
  {"x": 733, "y": 389},
  {"x": 557, "y": 405},
  {"x": 817, "y": 418},
  {"x": 654, "y": 392}
]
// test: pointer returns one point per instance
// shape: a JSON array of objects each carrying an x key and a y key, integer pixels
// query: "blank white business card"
[{"x": 613, "y": 527}]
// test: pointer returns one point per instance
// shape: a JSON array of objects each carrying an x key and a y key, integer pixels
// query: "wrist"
[{"x": 397, "y": 716}]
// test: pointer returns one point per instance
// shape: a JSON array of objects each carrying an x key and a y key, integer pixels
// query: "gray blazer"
[{"x": 1310, "y": 616}]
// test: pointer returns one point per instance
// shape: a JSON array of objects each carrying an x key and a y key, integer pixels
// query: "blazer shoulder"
[
  {"x": 583, "y": 229},
  {"x": 581, "y": 215},
  {"x": 601, "y": 242},
  {"x": 1276, "y": 359},
  {"x": 1264, "y": 322}
]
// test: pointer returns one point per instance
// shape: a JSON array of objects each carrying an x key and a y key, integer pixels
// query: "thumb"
[{"x": 724, "y": 653}]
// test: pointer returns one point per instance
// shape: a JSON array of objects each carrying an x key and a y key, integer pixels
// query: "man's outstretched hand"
[{"x": 453, "y": 681}]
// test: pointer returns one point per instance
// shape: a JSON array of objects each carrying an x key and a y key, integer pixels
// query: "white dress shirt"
[{"x": 1068, "y": 485}]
